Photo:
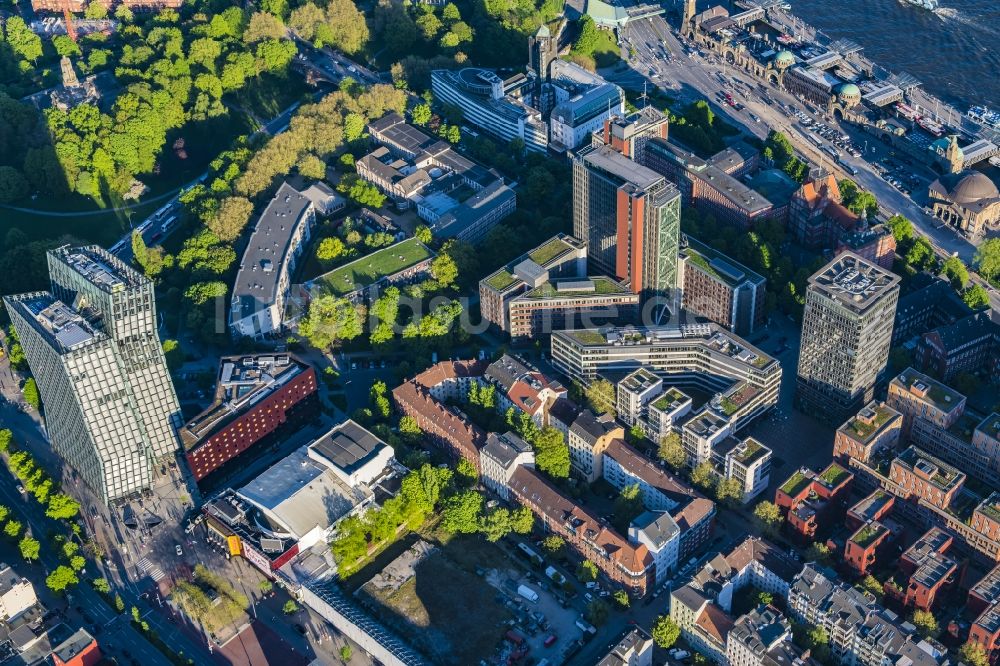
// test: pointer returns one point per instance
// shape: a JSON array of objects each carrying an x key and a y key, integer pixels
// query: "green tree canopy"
[
  {"x": 330, "y": 320},
  {"x": 671, "y": 451},
  {"x": 665, "y": 632},
  {"x": 61, "y": 578},
  {"x": 987, "y": 258},
  {"x": 551, "y": 452},
  {"x": 768, "y": 517},
  {"x": 460, "y": 512}
]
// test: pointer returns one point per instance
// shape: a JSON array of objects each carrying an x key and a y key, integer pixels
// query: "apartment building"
[
  {"x": 523, "y": 387},
  {"x": 984, "y": 604},
  {"x": 861, "y": 632},
  {"x": 873, "y": 507},
  {"x": 922, "y": 476},
  {"x": 927, "y": 569},
  {"x": 763, "y": 637},
  {"x": 812, "y": 501},
  {"x": 630, "y": 565},
  {"x": 915, "y": 395},
  {"x": 257, "y": 306},
  {"x": 846, "y": 333},
  {"x": 629, "y": 216},
  {"x": 634, "y": 393},
  {"x": 423, "y": 396},
  {"x": 642, "y": 401},
  {"x": 500, "y": 457},
  {"x": 721, "y": 289},
  {"x": 693, "y": 514},
  {"x": 701, "y": 608},
  {"x": 869, "y": 543},
  {"x": 986, "y": 517},
  {"x": 17, "y": 594},
  {"x": 256, "y": 398},
  {"x": 588, "y": 438},
  {"x": 873, "y": 431},
  {"x": 747, "y": 462},
  {"x": 634, "y": 649},
  {"x": 970, "y": 444}
]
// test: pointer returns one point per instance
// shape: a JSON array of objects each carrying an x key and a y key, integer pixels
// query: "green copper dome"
[
  {"x": 784, "y": 59},
  {"x": 849, "y": 92}
]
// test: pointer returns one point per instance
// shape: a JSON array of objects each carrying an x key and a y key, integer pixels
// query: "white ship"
[
  {"x": 984, "y": 116},
  {"x": 929, "y": 5}
]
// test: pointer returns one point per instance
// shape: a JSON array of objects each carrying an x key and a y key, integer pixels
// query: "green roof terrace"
[
  {"x": 548, "y": 251},
  {"x": 796, "y": 483},
  {"x": 670, "y": 400},
  {"x": 869, "y": 421},
  {"x": 990, "y": 426},
  {"x": 869, "y": 534},
  {"x": 371, "y": 268},
  {"x": 990, "y": 507},
  {"x": 602, "y": 286},
  {"x": 929, "y": 390},
  {"x": 639, "y": 380},
  {"x": 750, "y": 451},
  {"x": 940, "y": 473},
  {"x": 501, "y": 280},
  {"x": 833, "y": 476},
  {"x": 965, "y": 427},
  {"x": 717, "y": 265}
]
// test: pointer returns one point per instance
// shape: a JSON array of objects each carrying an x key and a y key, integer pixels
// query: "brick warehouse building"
[{"x": 256, "y": 397}]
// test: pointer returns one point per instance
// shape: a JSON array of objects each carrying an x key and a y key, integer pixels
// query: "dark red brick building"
[{"x": 255, "y": 398}]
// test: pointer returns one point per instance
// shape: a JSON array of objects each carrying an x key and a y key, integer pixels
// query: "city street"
[{"x": 692, "y": 78}]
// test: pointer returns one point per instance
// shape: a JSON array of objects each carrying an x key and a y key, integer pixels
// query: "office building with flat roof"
[
  {"x": 91, "y": 410},
  {"x": 260, "y": 293},
  {"x": 846, "y": 334},
  {"x": 120, "y": 301},
  {"x": 256, "y": 398},
  {"x": 700, "y": 356},
  {"x": 873, "y": 430},
  {"x": 917, "y": 396},
  {"x": 491, "y": 103},
  {"x": 629, "y": 134},
  {"x": 720, "y": 289},
  {"x": 629, "y": 216}
]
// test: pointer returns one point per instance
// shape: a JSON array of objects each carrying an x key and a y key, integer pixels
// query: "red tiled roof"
[
  {"x": 694, "y": 513},
  {"x": 445, "y": 370},
  {"x": 465, "y": 432},
  {"x": 714, "y": 622},
  {"x": 528, "y": 484},
  {"x": 525, "y": 397},
  {"x": 841, "y": 215}
]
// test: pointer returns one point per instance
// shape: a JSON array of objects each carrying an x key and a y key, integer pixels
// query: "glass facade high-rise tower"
[
  {"x": 846, "y": 334},
  {"x": 110, "y": 407},
  {"x": 629, "y": 216}
]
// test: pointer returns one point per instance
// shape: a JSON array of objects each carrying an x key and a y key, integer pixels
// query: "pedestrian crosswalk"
[{"x": 148, "y": 568}]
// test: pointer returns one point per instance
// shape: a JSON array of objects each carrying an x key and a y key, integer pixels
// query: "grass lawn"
[
  {"x": 607, "y": 53},
  {"x": 428, "y": 610},
  {"x": 373, "y": 267}
]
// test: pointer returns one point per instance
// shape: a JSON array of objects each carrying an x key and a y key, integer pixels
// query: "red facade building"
[
  {"x": 255, "y": 398},
  {"x": 929, "y": 569},
  {"x": 811, "y": 501},
  {"x": 80, "y": 649}
]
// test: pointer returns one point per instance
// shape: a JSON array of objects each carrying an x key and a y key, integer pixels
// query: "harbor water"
[{"x": 954, "y": 51}]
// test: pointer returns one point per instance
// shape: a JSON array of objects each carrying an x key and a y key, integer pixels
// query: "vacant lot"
[
  {"x": 373, "y": 267},
  {"x": 448, "y": 613}
]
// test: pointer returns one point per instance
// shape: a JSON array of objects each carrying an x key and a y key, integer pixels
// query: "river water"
[{"x": 954, "y": 51}]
